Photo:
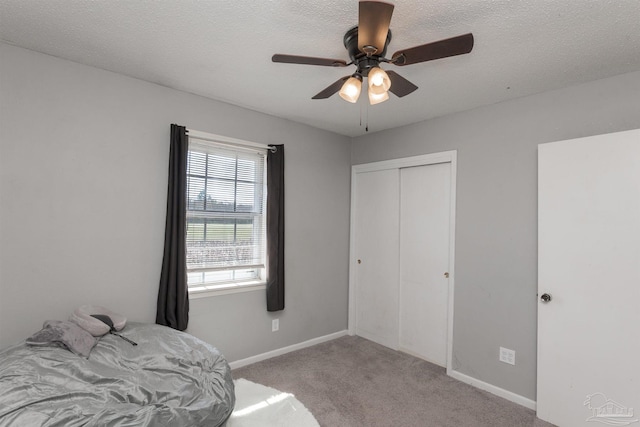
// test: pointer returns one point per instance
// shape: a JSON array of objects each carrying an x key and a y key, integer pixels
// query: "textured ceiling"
[{"x": 222, "y": 49}]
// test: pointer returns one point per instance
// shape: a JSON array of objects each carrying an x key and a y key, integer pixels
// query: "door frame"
[{"x": 421, "y": 160}]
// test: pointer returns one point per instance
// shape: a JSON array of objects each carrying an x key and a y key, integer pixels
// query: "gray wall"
[
  {"x": 496, "y": 221},
  {"x": 83, "y": 176}
]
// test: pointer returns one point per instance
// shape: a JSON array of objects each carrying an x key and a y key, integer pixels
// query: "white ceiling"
[{"x": 222, "y": 49}]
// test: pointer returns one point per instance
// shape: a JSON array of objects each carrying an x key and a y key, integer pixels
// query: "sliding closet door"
[
  {"x": 376, "y": 235},
  {"x": 402, "y": 243},
  {"x": 425, "y": 201}
]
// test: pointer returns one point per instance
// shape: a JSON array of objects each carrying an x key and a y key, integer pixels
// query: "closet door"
[
  {"x": 402, "y": 243},
  {"x": 376, "y": 225},
  {"x": 425, "y": 202}
]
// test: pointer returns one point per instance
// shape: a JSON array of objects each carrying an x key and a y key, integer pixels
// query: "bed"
[{"x": 169, "y": 379}]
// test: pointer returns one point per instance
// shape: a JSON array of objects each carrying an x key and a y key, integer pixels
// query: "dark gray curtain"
[
  {"x": 275, "y": 228},
  {"x": 173, "y": 298}
]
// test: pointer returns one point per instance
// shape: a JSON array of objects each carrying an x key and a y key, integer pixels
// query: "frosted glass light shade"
[
  {"x": 377, "y": 99},
  {"x": 379, "y": 81},
  {"x": 351, "y": 89}
]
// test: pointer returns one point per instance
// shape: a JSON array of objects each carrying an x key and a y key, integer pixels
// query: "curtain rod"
[{"x": 229, "y": 141}]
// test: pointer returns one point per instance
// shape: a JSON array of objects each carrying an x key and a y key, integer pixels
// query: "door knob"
[{"x": 545, "y": 297}]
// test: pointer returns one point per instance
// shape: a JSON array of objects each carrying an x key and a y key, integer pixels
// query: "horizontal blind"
[{"x": 225, "y": 212}]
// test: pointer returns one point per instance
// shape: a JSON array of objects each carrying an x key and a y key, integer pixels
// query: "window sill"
[{"x": 206, "y": 291}]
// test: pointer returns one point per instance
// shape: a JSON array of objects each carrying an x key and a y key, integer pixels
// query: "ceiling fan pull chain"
[{"x": 366, "y": 128}]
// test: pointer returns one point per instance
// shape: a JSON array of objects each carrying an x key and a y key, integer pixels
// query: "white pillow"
[{"x": 82, "y": 317}]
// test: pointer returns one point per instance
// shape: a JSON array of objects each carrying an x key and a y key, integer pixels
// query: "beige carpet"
[{"x": 353, "y": 382}]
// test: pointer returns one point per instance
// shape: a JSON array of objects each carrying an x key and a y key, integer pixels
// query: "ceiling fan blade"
[
  {"x": 374, "y": 18},
  {"x": 399, "y": 85},
  {"x": 308, "y": 60},
  {"x": 332, "y": 88},
  {"x": 441, "y": 49}
]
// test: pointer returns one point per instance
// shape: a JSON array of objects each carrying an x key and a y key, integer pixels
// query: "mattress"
[{"x": 169, "y": 379}]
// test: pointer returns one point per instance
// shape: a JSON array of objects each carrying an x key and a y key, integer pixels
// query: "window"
[{"x": 226, "y": 199}]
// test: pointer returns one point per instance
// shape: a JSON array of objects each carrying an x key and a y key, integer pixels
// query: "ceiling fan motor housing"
[{"x": 363, "y": 61}]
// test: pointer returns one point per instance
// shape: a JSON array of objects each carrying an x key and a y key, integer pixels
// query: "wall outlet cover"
[
  {"x": 507, "y": 356},
  {"x": 275, "y": 325}
]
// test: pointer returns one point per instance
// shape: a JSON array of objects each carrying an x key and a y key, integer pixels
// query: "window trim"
[
  {"x": 226, "y": 290},
  {"x": 225, "y": 140},
  {"x": 232, "y": 287}
]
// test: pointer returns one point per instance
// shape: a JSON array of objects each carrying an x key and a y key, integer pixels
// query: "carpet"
[
  {"x": 353, "y": 382},
  {"x": 261, "y": 406}
]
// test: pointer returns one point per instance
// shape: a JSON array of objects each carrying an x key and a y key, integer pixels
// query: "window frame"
[{"x": 241, "y": 285}]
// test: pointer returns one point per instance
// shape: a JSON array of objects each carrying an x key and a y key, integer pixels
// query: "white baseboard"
[
  {"x": 505, "y": 394},
  {"x": 284, "y": 350}
]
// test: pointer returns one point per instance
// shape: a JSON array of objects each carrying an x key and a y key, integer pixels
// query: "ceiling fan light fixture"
[
  {"x": 377, "y": 99},
  {"x": 366, "y": 45},
  {"x": 351, "y": 89},
  {"x": 379, "y": 81}
]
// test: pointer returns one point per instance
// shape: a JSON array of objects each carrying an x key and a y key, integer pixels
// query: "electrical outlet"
[
  {"x": 275, "y": 325},
  {"x": 507, "y": 356}
]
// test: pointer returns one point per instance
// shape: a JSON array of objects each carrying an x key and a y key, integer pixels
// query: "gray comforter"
[{"x": 169, "y": 379}]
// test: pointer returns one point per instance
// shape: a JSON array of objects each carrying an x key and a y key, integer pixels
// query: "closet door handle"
[{"x": 446, "y": 274}]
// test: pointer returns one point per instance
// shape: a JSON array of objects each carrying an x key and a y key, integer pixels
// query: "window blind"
[{"x": 225, "y": 213}]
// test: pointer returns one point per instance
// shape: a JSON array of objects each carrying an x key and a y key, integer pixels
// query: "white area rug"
[{"x": 261, "y": 406}]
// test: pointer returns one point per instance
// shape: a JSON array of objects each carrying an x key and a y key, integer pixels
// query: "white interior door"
[
  {"x": 376, "y": 234},
  {"x": 424, "y": 260},
  {"x": 589, "y": 265}
]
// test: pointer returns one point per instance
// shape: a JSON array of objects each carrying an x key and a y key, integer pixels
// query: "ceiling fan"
[{"x": 367, "y": 44}]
